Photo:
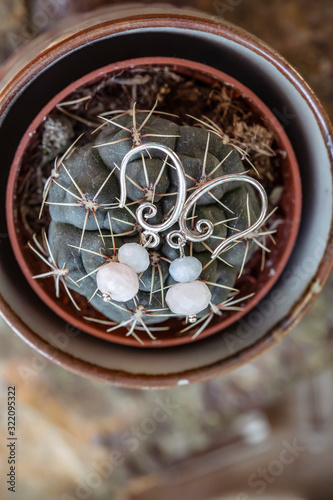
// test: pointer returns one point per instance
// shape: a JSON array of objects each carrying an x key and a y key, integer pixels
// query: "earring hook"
[
  {"x": 150, "y": 230},
  {"x": 205, "y": 227}
]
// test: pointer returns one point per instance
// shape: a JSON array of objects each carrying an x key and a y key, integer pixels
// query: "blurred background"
[{"x": 263, "y": 432}]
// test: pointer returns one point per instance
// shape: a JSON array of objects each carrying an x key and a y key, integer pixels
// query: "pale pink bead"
[
  {"x": 118, "y": 280},
  {"x": 134, "y": 256},
  {"x": 187, "y": 299}
]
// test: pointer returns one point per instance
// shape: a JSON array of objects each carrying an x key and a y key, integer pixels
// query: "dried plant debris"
[
  {"x": 58, "y": 132},
  {"x": 71, "y": 190}
]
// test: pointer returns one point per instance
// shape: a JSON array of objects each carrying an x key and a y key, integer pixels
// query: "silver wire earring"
[
  {"x": 119, "y": 280},
  {"x": 190, "y": 296}
]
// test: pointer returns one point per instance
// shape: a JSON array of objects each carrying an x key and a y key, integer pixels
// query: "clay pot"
[
  {"x": 285, "y": 236},
  {"x": 111, "y": 36}
]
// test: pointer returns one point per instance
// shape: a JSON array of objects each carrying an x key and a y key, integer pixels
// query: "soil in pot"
[{"x": 194, "y": 98}]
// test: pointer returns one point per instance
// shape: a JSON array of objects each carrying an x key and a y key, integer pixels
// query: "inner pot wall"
[{"x": 212, "y": 355}]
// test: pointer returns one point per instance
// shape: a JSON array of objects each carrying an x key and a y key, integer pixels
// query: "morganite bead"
[
  {"x": 134, "y": 256},
  {"x": 119, "y": 280},
  {"x": 188, "y": 298},
  {"x": 185, "y": 269}
]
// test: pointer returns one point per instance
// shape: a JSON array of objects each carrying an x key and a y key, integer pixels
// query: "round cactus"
[{"x": 88, "y": 226}]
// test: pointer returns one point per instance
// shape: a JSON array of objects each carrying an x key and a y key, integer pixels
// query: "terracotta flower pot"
[
  {"x": 290, "y": 206},
  {"x": 112, "y": 36}
]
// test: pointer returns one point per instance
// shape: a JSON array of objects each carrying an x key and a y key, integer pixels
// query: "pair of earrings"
[
  {"x": 189, "y": 296},
  {"x": 119, "y": 280}
]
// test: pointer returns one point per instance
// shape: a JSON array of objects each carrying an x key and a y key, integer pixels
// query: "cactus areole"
[{"x": 156, "y": 226}]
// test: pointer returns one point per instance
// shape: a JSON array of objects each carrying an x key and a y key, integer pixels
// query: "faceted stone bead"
[
  {"x": 118, "y": 280},
  {"x": 134, "y": 256},
  {"x": 185, "y": 269},
  {"x": 187, "y": 299}
]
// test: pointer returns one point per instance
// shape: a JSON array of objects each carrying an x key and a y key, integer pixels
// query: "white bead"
[
  {"x": 134, "y": 256},
  {"x": 118, "y": 280},
  {"x": 185, "y": 269},
  {"x": 188, "y": 298}
]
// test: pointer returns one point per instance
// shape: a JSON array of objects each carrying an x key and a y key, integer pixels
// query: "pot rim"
[
  {"x": 244, "y": 39},
  {"x": 294, "y": 209}
]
